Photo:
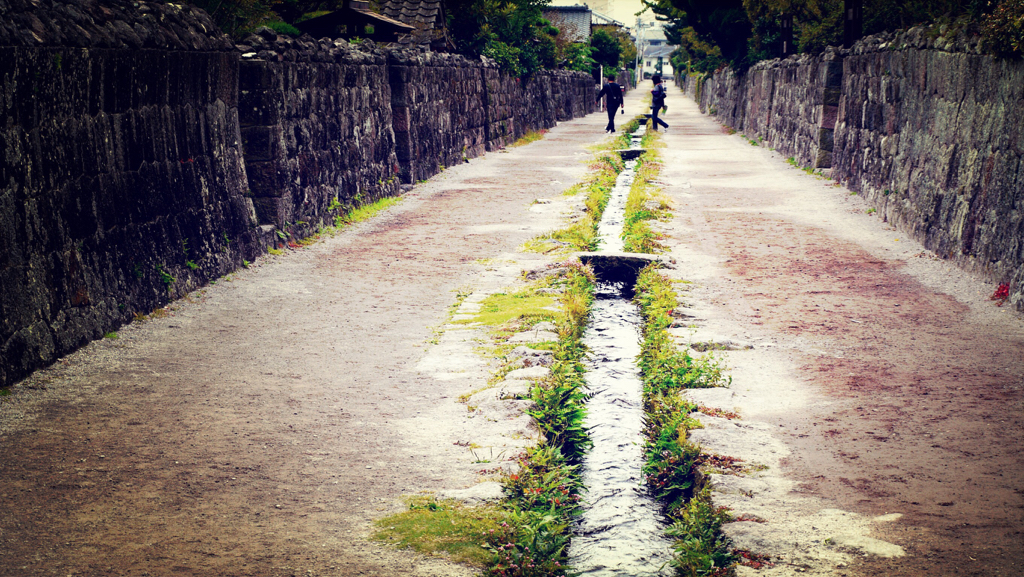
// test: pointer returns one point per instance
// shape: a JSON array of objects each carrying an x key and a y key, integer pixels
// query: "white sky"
[{"x": 622, "y": 10}]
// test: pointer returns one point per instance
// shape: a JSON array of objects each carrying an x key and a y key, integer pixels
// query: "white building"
[{"x": 654, "y": 52}]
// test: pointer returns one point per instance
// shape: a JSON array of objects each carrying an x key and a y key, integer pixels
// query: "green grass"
[
  {"x": 442, "y": 528},
  {"x": 531, "y": 136},
  {"x": 582, "y": 235},
  {"x": 671, "y": 464},
  {"x": 366, "y": 211},
  {"x": 637, "y": 234},
  {"x": 501, "y": 308}
]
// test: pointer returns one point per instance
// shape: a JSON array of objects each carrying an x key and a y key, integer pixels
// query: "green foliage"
[
  {"x": 605, "y": 49},
  {"x": 560, "y": 400},
  {"x": 721, "y": 24},
  {"x": 739, "y": 33},
  {"x": 627, "y": 47},
  {"x": 696, "y": 54},
  {"x": 1003, "y": 30},
  {"x": 543, "y": 495},
  {"x": 529, "y": 544},
  {"x": 238, "y": 17},
  {"x": 637, "y": 235},
  {"x": 582, "y": 234},
  {"x": 545, "y": 481},
  {"x": 665, "y": 368},
  {"x": 509, "y": 31},
  {"x": 701, "y": 549},
  {"x": 671, "y": 459},
  {"x": 577, "y": 56},
  {"x": 283, "y": 28},
  {"x": 431, "y": 527},
  {"x": 165, "y": 276}
]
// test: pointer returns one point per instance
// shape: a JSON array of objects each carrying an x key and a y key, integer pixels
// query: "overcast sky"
[{"x": 622, "y": 10}]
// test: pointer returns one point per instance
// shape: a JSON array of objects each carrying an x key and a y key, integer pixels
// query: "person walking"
[
  {"x": 657, "y": 101},
  {"x": 615, "y": 101}
]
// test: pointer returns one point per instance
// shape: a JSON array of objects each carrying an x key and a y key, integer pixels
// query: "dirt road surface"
[{"x": 263, "y": 424}]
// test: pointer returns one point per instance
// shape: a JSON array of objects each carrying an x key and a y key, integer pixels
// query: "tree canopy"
[{"x": 739, "y": 33}]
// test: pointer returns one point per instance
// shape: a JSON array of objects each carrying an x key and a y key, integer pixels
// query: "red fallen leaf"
[{"x": 1002, "y": 293}]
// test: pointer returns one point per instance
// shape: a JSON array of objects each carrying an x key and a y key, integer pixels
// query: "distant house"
[
  {"x": 573, "y": 22},
  {"x": 427, "y": 17},
  {"x": 655, "y": 54},
  {"x": 657, "y": 60},
  {"x": 354, "y": 20}
]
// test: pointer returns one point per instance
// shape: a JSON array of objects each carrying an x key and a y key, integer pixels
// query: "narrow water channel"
[
  {"x": 613, "y": 218},
  {"x": 621, "y": 531}
]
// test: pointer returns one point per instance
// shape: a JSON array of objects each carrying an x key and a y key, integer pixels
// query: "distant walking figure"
[
  {"x": 657, "y": 101},
  {"x": 614, "y": 93}
]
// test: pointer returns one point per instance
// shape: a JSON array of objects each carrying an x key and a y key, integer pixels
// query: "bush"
[
  {"x": 283, "y": 28},
  {"x": 1003, "y": 30}
]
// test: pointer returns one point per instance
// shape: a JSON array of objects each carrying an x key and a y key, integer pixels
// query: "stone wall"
[
  {"x": 144, "y": 154},
  {"x": 121, "y": 178},
  {"x": 449, "y": 109},
  {"x": 316, "y": 125},
  {"x": 930, "y": 129},
  {"x": 790, "y": 104},
  {"x": 439, "y": 107}
]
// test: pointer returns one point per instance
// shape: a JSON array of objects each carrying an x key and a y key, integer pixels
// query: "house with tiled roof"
[
  {"x": 426, "y": 16},
  {"x": 572, "y": 21}
]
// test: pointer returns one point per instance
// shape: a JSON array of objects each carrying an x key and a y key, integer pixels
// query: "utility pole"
[
  {"x": 636, "y": 66},
  {"x": 786, "y": 25},
  {"x": 853, "y": 21}
]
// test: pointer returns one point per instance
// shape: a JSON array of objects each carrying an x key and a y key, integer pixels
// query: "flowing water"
[
  {"x": 621, "y": 531},
  {"x": 610, "y": 229}
]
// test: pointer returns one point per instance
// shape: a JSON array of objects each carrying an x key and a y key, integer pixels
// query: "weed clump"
[
  {"x": 582, "y": 234},
  {"x": 445, "y": 527},
  {"x": 671, "y": 459},
  {"x": 543, "y": 495},
  {"x": 642, "y": 207}
]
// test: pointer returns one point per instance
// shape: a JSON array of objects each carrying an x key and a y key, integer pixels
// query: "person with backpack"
[
  {"x": 615, "y": 101},
  {"x": 658, "y": 101}
]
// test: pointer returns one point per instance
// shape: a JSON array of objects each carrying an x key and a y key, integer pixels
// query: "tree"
[
  {"x": 627, "y": 54},
  {"x": 605, "y": 49},
  {"x": 722, "y": 23},
  {"x": 509, "y": 31}
]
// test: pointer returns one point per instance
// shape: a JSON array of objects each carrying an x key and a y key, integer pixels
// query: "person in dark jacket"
[
  {"x": 614, "y": 93},
  {"x": 657, "y": 101}
]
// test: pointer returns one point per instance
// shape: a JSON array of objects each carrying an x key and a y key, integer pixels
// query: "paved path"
[{"x": 259, "y": 427}]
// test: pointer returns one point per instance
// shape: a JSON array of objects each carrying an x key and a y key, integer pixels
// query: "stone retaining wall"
[
  {"x": 144, "y": 154},
  {"x": 121, "y": 178},
  {"x": 934, "y": 136},
  {"x": 929, "y": 129},
  {"x": 316, "y": 124}
]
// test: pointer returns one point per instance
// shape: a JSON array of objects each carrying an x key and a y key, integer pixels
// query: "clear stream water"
[{"x": 621, "y": 529}]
